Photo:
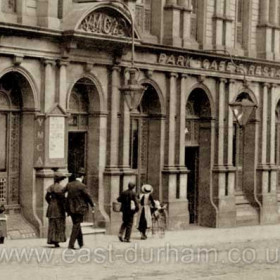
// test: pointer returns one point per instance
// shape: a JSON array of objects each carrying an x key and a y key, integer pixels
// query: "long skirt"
[{"x": 56, "y": 232}]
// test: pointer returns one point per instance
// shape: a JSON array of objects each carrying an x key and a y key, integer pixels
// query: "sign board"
[{"x": 56, "y": 137}]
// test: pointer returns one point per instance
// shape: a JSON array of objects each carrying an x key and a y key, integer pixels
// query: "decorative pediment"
[
  {"x": 106, "y": 21},
  {"x": 56, "y": 110}
]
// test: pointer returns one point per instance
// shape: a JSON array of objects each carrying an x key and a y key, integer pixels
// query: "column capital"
[
  {"x": 47, "y": 61},
  {"x": 231, "y": 81},
  {"x": 223, "y": 80},
  {"x": 62, "y": 62},
  {"x": 173, "y": 75},
  {"x": 184, "y": 76},
  {"x": 149, "y": 73},
  {"x": 116, "y": 68},
  {"x": 273, "y": 85},
  {"x": 266, "y": 84}
]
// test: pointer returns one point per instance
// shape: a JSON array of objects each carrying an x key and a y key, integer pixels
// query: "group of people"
[
  {"x": 131, "y": 204},
  {"x": 76, "y": 205}
]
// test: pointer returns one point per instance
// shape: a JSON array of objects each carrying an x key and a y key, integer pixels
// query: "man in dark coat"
[
  {"x": 77, "y": 202},
  {"x": 128, "y": 199}
]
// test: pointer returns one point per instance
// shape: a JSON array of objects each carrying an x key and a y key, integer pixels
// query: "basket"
[{"x": 116, "y": 206}]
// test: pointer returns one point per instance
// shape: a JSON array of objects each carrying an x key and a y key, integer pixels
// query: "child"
[
  {"x": 3, "y": 228},
  {"x": 159, "y": 219}
]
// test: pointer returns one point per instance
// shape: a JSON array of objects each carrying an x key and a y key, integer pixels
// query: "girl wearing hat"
[
  {"x": 55, "y": 197},
  {"x": 146, "y": 201}
]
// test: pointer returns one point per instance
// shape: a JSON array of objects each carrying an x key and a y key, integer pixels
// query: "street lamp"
[
  {"x": 242, "y": 110},
  {"x": 132, "y": 91}
]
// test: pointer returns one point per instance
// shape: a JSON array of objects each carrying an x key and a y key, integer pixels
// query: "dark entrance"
[
  {"x": 191, "y": 162},
  {"x": 76, "y": 152}
]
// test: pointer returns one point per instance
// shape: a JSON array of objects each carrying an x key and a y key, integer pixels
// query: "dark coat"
[
  {"x": 125, "y": 199},
  {"x": 78, "y": 198},
  {"x": 56, "y": 199}
]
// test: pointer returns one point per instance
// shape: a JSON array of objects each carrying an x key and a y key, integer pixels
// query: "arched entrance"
[
  {"x": 145, "y": 140},
  {"x": 197, "y": 154},
  {"x": 245, "y": 149},
  {"x": 10, "y": 127}
]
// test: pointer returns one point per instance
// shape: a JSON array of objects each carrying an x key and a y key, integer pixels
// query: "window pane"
[{"x": 3, "y": 141}]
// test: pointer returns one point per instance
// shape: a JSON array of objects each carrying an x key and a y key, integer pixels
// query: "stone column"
[
  {"x": 62, "y": 90},
  {"x": 49, "y": 85},
  {"x": 177, "y": 207},
  {"x": 171, "y": 132},
  {"x": 269, "y": 171},
  {"x": 112, "y": 172},
  {"x": 221, "y": 122},
  {"x": 172, "y": 24}
]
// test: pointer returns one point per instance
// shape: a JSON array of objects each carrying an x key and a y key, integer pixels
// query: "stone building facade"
[{"x": 63, "y": 70}]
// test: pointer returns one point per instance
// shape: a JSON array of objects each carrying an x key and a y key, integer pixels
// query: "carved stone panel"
[{"x": 106, "y": 22}]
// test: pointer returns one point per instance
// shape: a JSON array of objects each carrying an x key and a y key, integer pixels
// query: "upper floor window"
[
  {"x": 8, "y": 6},
  {"x": 194, "y": 19},
  {"x": 239, "y": 22},
  {"x": 143, "y": 15}
]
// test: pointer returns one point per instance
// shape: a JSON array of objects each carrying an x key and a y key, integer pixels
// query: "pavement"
[{"x": 197, "y": 253}]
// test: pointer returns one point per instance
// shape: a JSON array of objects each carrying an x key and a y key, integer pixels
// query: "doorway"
[
  {"x": 76, "y": 152},
  {"x": 191, "y": 162}
]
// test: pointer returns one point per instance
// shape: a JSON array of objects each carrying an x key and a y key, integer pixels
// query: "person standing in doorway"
[
  {"x": 55, "y": 198},
  {"x": 77, "y": 205},
  {"x": 129, "y": 206}
]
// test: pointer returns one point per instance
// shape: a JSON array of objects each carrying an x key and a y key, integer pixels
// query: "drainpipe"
[
  {"x": 210, "y": 171},
  {"x": 34, "y": 200}
]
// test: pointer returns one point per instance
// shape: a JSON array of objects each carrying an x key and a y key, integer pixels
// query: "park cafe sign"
[{"x": 218, "y": 65}]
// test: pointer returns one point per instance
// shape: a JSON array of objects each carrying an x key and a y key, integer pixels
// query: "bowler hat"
[
  {"x": 147, "y": 188},
  {"x": 81, "y": 171},
  {"x": 58, "y": 176}
]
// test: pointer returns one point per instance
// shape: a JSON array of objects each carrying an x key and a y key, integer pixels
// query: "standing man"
[
  {"x": 77, "y": 203},
  {"x": 129, "y": 207}
]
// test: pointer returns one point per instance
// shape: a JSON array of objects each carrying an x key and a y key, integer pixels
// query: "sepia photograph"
[{"x": 139, "y": 139}]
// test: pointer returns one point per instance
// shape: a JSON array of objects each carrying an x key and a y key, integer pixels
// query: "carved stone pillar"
[
  {"x": 62, "y": 91},
  {"x": 172, "y": 180},
  {"x": 49, "y": 85},
  {"x": 112, "y": 172}
]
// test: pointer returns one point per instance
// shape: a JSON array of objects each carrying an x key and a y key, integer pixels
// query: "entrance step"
[
  {"x": 89, "y": 229},
  {"x": 19, "y": 228}
]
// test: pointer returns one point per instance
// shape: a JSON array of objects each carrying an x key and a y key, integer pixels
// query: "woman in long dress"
[
  {"x": 55, "y": 197},
  {"x": 146, "y": 201}
]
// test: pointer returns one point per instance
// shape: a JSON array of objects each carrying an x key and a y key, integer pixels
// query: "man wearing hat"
[
  {"x": 129, "y": 207},
  {"x": 77, "y": 202}
]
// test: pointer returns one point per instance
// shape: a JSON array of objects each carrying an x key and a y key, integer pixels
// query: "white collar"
[{"x": 79, "y": 179}]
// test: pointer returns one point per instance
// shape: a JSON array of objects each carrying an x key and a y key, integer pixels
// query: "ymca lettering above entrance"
[{"x": 106, "y": 22}]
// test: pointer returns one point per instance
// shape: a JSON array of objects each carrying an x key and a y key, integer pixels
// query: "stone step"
[
  {"x": 86, "y": 224},
  {"x": 92, "y": 231}
]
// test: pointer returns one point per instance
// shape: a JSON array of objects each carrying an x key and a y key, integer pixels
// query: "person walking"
[
  {"x": 77, "y": 205},
  {"x": 129, "y": 206},
  {"x": 146, "y": 202},
  {"x": 55, "y": 198}
]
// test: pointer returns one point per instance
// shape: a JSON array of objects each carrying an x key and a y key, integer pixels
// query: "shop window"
[
  {"x": 143, "y": 15},
  {"x": 134, "y": 143}
]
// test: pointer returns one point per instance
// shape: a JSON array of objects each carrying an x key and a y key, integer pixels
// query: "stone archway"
[
  {"x": 17, "y": 114},
  {"x": 145, "y": 141},
  {"x": 86, "y": 134},
  {"x": 198, "y": 157}
]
